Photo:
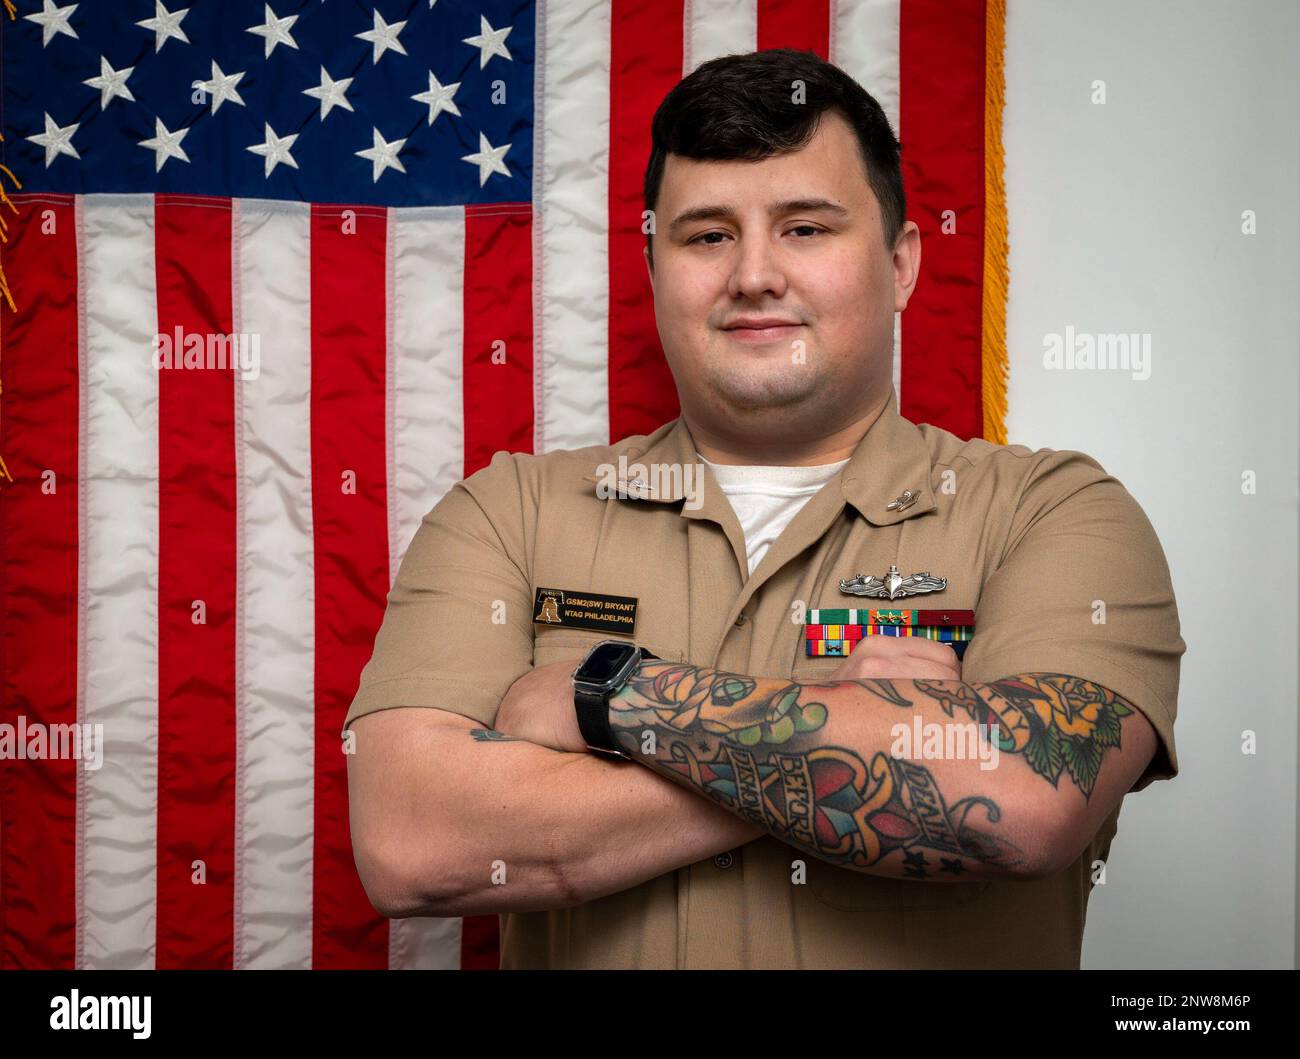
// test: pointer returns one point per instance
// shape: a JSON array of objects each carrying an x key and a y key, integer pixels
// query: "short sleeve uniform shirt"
[{"x": 1032, "y": 541}]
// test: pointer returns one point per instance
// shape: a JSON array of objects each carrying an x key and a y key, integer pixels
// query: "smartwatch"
[{"x": 603, "y": 673}]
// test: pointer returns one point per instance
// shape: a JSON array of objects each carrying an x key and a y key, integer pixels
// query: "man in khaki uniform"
[{"x": 766, "y": 817}]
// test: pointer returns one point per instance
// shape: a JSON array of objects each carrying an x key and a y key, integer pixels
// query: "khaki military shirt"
[{"x": 1035, "y": 542}]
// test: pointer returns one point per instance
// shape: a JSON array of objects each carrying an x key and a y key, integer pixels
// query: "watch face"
[{"x": 604, "y": 663}]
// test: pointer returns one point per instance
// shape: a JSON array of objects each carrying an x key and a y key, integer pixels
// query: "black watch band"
[{"x": 593, "y": 717}]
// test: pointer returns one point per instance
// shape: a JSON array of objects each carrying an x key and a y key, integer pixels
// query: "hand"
[
  {"x": 900, "y": 658},
  {"x": 539, "y": 707}
]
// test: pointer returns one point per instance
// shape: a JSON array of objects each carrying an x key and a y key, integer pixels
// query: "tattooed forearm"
[
  {"x": 1058, "y": 722},
  {"x": 761, "y": 749}
]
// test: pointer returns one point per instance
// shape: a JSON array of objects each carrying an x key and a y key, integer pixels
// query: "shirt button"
[
  {"x": 741, "y": 619},
  {"x": 724, "y": 860}
]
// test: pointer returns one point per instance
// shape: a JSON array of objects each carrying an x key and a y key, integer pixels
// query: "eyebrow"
[{"x": 716, "y": 213}]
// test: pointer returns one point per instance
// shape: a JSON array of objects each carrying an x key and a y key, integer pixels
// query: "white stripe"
[
  {"x": 428, "y": 427},
  {"x": 274, "y": 800},
  {"x": 426, "y": 441},
  {"x": 119, "y": 552},
  {"x": 718, "y": 27},
  {"x": 864, "y": 44},
  {"x": 79, "y": 857},
  {"x": 572, "y": 197}
]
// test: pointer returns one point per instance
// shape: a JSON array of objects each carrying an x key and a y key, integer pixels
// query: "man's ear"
[
  {"x": 907, "y": 264},
  {"x": 649, "y": 264}
]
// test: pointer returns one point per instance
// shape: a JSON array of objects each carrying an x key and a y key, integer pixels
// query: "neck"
[{"x": 805, "y": 450}]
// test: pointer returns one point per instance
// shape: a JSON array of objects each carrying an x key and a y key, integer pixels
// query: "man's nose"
[{"x": 757, "y": 268}]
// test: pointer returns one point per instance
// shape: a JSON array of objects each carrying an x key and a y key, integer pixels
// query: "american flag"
[{"x": 413, "y": 228}]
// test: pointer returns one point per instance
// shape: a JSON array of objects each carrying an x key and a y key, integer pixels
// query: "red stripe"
[
  {"x": 196, "y": 562},
  {"x": 802, "y": 26},
  {"x": 646, "y": 42},
  {"x": 498, "y": 401},
  {"x": 348, "y": 380},
  {"x": 941, "y": 73},
  {"x": 498, "y": 320},
  {"x": 38, "y": 581}
]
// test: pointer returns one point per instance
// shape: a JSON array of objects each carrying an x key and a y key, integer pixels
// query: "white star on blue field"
[{"x": 394, "y": 103}]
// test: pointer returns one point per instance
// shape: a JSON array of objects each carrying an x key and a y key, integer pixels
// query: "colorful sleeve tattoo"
[{"x": 766, "y": 749}]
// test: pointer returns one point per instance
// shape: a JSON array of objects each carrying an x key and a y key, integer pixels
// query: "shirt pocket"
[
  {"x": 853, "y": 891},
  {"x": 922, "y": 896},
  {"x": 850, "y": 891}
]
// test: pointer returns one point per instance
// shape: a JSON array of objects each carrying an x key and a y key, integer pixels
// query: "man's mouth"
[{"x": 760, "y": 331}]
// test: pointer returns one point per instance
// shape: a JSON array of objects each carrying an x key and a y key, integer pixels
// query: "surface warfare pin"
[
  {"x": 575, "y": 609},
  {"x": 893, "y": 585}
]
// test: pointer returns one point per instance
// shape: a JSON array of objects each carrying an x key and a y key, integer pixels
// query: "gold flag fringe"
[
  {"x": 4, "y": 238},
  {"x": 994, "y": 325}
]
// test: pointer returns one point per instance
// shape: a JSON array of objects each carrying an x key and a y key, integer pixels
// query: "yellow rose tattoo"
[{"x": 1058, "y": 722}]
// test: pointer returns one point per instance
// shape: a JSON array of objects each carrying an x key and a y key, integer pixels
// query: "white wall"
[{"x": 1126, "y": 217}]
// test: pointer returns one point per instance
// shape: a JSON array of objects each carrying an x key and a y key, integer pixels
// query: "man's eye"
[{"x": 722, "y": 235}]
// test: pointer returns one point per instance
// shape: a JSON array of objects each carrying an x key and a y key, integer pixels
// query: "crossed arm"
[
  {"x": 893, "y": 777},
  {"x": 448, "y": 821}
]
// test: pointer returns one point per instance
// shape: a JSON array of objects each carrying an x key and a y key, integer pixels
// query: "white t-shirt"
[{"x": 766, "y": 498}]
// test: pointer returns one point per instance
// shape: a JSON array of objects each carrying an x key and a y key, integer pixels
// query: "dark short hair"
[{"x": 739, "y": 106}]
